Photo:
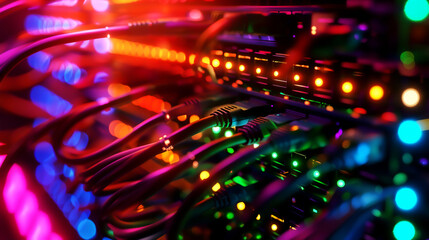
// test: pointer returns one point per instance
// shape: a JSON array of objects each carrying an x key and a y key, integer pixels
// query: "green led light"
[
  {"x": 404, "y": 230},
  {"x": 400, "y": 178},
  {"x": 228, "y": 133},
  {"x": 325, "y": 200},
  {"x": 274, "y": 155},
  {"x": 316, "y": 174},
  {"x": 228, "y": 227},
  {"x": 295, "y": 163},
  {"x": 341, "y": 183},
  {"x": 230, "y": 150},
  {"x": 262, "y": 168},
  {"x": 258, "y": 236},
  {"x": 407, "y": 57},
  {"x": 230, "y": 215},
  {"x": 216, "y": 130},
  {"x": 315, "y": 210},
  {"x": 416, "y": 10},
  {"x": 376, "y": 213},
  {"x": 180, "y": 237},
  {"x": 217, "y": 215}
]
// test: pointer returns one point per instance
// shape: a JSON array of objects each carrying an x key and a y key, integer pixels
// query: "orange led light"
[
  {"x": 228, "y": 65},
  {"x": 192, "y": 59},
  {"x": 258, "y": 70},
  {"x": 376, "y": 92},
  {"x": 318, "y": 82},
  {"x": 296, "y": 77},
  {"x": 276, "y": 73},
  {"x": 241, "y": 68},
  {"x": 215, "y": 63}
]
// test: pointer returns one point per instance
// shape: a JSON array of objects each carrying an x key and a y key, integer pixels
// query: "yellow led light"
[
  {"x": 410, "y": 97},
  {"x": 274, "y": 227},
  {"x": 318, "y": 82},
  {"x": 216, "y": 187},
  {"x": 376, "y": 92},
  {"x": 228, "y": 65},
  {"x": 204, "y": 175},
  {"x": 241, "y": 68},
  {"x": 241, "y": 206},
  {"x": 205, "y": 60},
  {"x": 276, "y": 73},
  {"x": 347, "y": 87},
  {"x": 296, "y": 77},
  {"x": 258, "y": 217},
  {"x": 258, "y": 70},
  {"x": 192, "y": 59},
  {"x": 215, "y": 63}
]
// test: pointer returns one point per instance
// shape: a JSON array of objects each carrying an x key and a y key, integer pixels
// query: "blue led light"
[
  {"x": 49, "y": 101},
  {"x": 100, "y": 77},
  {"x": 45, "y": 174},
  {"x": 39, "y": 24},
  {"x": 40, "y": 61},
  {"x": 78, "y": 140},
  {"x": 69, "y": 73},
  {"x": 406, "y": 198},
  {"x": 86, "y": 229},
  {"x": 102, "y": 45},
  {"x": 68, "y": 172},
  {"x": 44, "y": 153},
  {"x": 409, "y": 132}
]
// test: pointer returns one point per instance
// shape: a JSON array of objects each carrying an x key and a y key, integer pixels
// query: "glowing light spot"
[
  {"x": 241, "y": 68},
  {"x": 192, "y": 59},
  {"x": 195, "y": 14},
  {"x": 406, "y": 198},
  {"x": 86, "y": 229},
  {"x": 296, "y": 77},
  {"x": 316, "y": 174},
  {"x": 42, "y": 227},
  {"x": 410, "y": 97},
  {"x": 181, "y": 57},
  {"x": 295, "y": 163},
  {"x": 258, "y": 217},
  {"x": 318, "y": 82},
  {"x": 347, "y": 87},
  {"x": 204, "y": 175},
  {"x": 117, "y": 89},
  {"x": 100, "y": 77},
  {"x": 215, "y": 63},
  {"x": 274, "y": 155},
  {"x": 258, "y": 70},
  {"x": 216, "y": 130},
  {"x": 228, "y": 133},
  {"x": 216, "y": 187},
  {"x": 276, "y": 73},
  {"x": 40, "y": 61},
  {"x": 416, "y": 10},
  {"x": 407, "y": 58},
  {"x": 341, "y": 183},
  {"x": 409, "y": 132},
  {"x": 205, "y": 60},
  {"x": 228, "y": 65},
  {"x": 230, "y": 150},
  {"x": 100, "y": 5},
  {"x": 194, "y": 118},
  {"x": 241, "y": 206},
  {"x": 230, "y": 215},
  {"x": 274, "y": 227},
  {"x": 48, "y": 101},
  {"x": 102, "y": 45},
  {"x": 376, "y": 92},
  {"x": 404, "y": 230}
]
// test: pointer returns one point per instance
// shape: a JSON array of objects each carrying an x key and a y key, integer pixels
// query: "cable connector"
[
  {"x": 257, "y": 129},
  {"x": 233, "y": 115}
]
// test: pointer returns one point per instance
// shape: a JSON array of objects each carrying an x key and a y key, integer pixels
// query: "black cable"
[
  {"x": 252, "y": 132},
  {"x": 224, "y": 117}
]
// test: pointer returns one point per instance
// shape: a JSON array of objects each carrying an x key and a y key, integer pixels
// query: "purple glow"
[
  {"x": 102, "y": 45},
  {"x": 38, "y": 24},
  {"x": 423, "y": 161},
  {"x": 100, "y": 5},
  {"x": 15, "y": 188},
  {"x": 2, "y": 158},
  {"x": 26, "y": 213},
  {"x": 41, "y": 228},
  {"x": 363, "y": 27},
  {"x": 339, "y": 133}
]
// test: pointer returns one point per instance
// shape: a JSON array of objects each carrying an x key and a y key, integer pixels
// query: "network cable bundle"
[{"x": 214, "y": 119}]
